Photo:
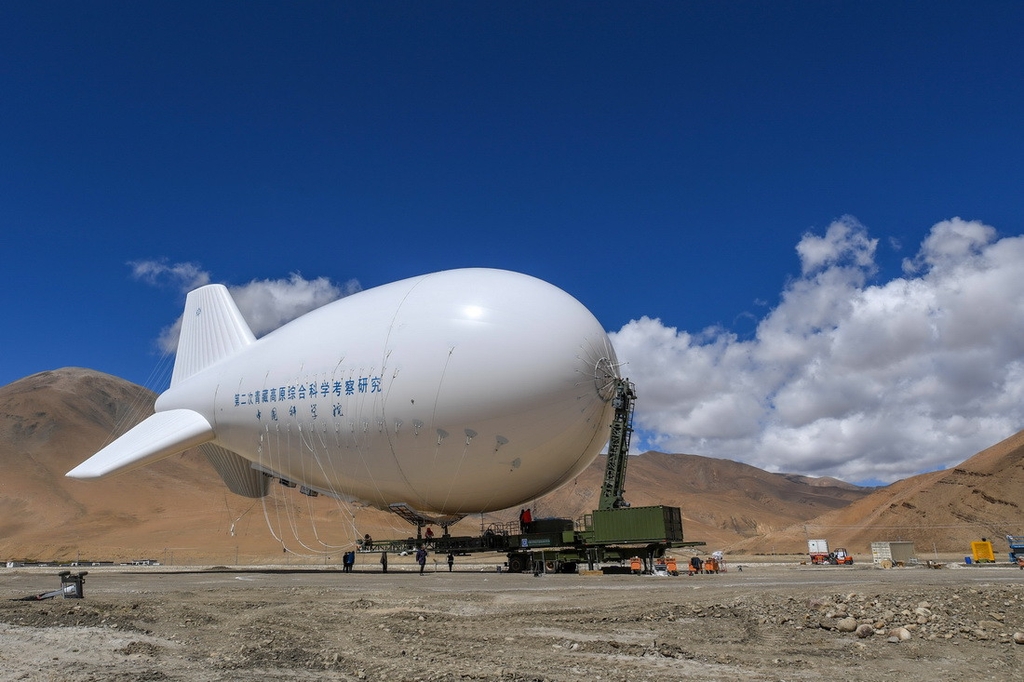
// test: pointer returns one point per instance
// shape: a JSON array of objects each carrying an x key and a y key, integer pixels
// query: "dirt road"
[{"x": 764, "y": 622}]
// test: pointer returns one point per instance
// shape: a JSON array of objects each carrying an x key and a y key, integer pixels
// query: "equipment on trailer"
[
  {"x": 70, "y": 588},
  {"x": 614, "y": 532}
]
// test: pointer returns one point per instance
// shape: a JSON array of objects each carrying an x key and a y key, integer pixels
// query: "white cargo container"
[
  {"x": 817, "y": 546},
  {"x": 888, "y": 554},
  {"x": 818, "y": 549}
]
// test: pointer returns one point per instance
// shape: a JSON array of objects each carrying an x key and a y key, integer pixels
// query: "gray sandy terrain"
[{"x": 764, "y": 622}]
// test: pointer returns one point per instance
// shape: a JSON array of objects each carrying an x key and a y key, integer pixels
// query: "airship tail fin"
[
  {"x": 212, "y": 328},
  {"x": 158, "y": 436}
]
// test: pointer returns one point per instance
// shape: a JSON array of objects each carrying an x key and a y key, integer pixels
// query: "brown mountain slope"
[
  {"x": 939, "y": 511},
  {"x": 178, "y": 509}
]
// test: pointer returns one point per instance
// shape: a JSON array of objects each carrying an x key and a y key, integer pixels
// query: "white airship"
[{"x": 455, "y": 392}]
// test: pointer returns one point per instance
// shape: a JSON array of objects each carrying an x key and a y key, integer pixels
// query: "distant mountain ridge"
[
  {"x": 941, "y": 510},
  {"x": 179, "y": 510}
]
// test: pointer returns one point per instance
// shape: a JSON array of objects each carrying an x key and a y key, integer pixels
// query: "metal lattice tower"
[{"x": 618, "y": 446}]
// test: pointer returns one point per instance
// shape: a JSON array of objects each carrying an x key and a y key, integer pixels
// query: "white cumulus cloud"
[
  {"x": 266, "y": 304},
  {"x": 184, "y": 276},
  {"x": 859, "y": 380}
]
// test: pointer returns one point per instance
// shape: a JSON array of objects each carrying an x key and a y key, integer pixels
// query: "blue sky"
[{"x": 801, "y": 221}]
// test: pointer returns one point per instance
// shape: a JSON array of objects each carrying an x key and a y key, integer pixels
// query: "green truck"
[{"x": 602, "y": 536}]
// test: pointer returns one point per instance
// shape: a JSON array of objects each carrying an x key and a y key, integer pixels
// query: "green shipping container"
[{"x": 637, "y": 525}]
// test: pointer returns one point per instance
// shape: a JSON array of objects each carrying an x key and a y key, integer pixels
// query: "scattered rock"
[
  {"x": 864, "y": 630},
  {"x": 900, "y": 634},
  {"x": 846, "y": 624}
]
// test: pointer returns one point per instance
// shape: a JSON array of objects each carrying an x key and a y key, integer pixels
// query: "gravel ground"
[{"x": 764, "y": 622}]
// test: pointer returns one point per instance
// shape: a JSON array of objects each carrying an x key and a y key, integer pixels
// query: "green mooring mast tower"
[{"x": 618, "y": 446}]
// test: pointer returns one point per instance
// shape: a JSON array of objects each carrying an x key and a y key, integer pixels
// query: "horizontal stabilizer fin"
[
  {"x": 212, "y": 328},
  {"x": 160, "y": 435}
]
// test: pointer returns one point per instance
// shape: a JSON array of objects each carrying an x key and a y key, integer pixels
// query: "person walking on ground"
[
  {"x": 384, "y": 562},
  {"x": 421, "y": 558},
  {"x": 451, "y": 561}
]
